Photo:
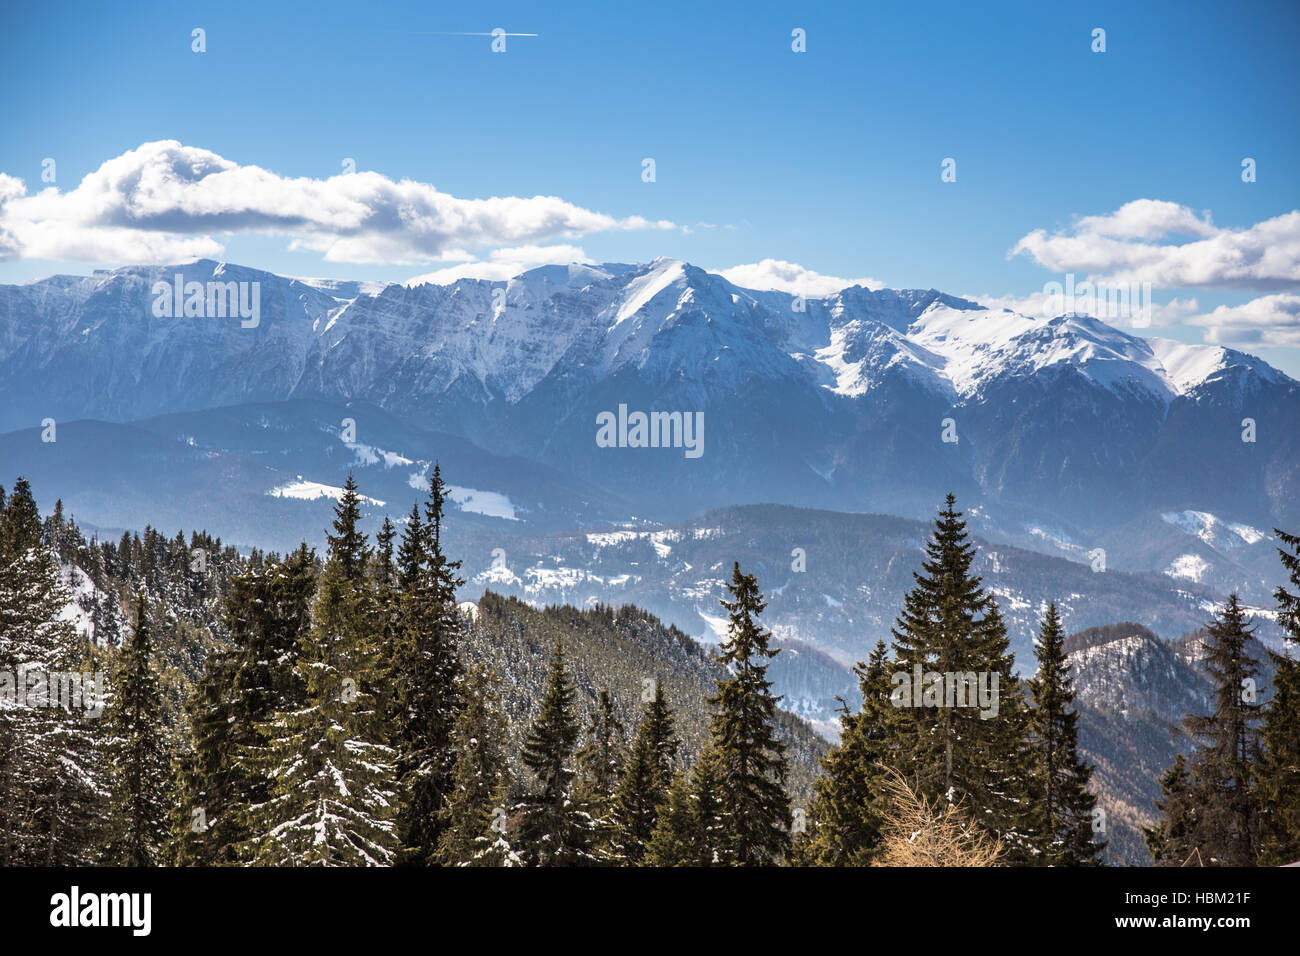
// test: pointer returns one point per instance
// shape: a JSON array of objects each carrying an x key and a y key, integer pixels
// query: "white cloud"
[
  {"x": 1270, "y": 320},
  {"x": 1148, "y": 219},
  {"x": 504, "y": 264},
  {"x": 1118, "y": 247},
  {"x": 779, "y": 276},
  {"x": 164, "y": 201},
  {"x": 1173, "y": 312}
]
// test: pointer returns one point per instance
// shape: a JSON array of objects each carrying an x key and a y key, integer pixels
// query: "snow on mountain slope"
[
  {"x": 642, "y": 290},
  {"x": 369, "y": 455},
  {"x": 1187, "y": 366},
  {"x": 1219, "y": 534},
  {"x": 862, "y": 353},
  {"x": 821, "y": 402},
  {"x": 489, "y": 337},
  {"x": 979, "y": 345},
  {"x": 320, "y": 337},
  {"x": 345, "y": 290}
]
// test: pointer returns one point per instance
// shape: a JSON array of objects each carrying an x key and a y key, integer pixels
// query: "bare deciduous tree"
[{"x": 918, "y": 832}]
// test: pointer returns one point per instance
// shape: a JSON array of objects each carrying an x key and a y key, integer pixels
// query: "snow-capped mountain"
[{"x": 1065, "y": 434}]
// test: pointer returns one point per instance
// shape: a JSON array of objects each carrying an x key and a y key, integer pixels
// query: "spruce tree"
[
  {"x": 1223, "y": 767},
  {"x": 53, "y": 784},
  {"x": 474, "y": 812},
  {"x": 675, "y": 840},
  {"x": 600, "y": 767},
  {"x": 202, "y": 834},
  {"x": 691, "y": 829},
  {"x": 956, "y": 750},
  {"x": 267, "y": 612},
  {"x": 1172, "y": 841},
  {"x": 1061, "y": 819},
  {"x": 384, "y": 573},
  {"x": 385, "y": 570},
  {"x": 1278, "y": 786},
  {"x": 333, "y": 780},
  {"x": 645, "y": 783},
  {"x": 426, "y": 673},
  {"x": 410, "y": 561},
  {"x": 554, "y": 831},
  {"x": 846, "y": 815},
  {"x": 714, "y": 841},
  {"x": 756, "y": 807},
  {"x": 497, "y": 847},
  {"x": 141, "y": 762}
]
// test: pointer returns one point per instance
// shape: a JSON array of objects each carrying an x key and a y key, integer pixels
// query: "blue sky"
[{"x": 829, "y": 159}]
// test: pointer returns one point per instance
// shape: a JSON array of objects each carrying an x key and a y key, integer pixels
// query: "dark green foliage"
[
  {"x": 600, "y": 766},
  {"x": 333, "y": 782},
  {"x": 52, "y": 770},
  {"x": 355, "y": 702},
  {"x": 1278, "y": 785},
  {"x": 952, "y": 626},
  {"x": 645, "y": 783},
  {"x": 756, "y": 807},
  {"x": 1061, "y": 817},
  {"x": 1222, "y": 768},
  {"x": 268, "y": 613},
  {"x": 1172, "y": 841},
  {"x": 553, "y": 830},
  {"x": 1209, "y": 805},
  {"x": 473, "y": 825},
  {"x": 615, "y": 648},
  {"x": 692, "y": 828},
  {"x": 844, "y": 821},
  {"x": 141, "y": 764},
  {"x": 425, "y": 669}
]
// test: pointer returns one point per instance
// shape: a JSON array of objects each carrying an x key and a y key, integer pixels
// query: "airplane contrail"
[{"x": 447, "y": 33}]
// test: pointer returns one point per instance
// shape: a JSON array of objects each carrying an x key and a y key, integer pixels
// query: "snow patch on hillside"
[
  {"x": 717, "y": 626},
  {"x": 313, "y": 491},
  {"x": 490, "y": 503},
  {"x": 370, "y": 455},
  {"x": 1189, "y": 566},
  {"x": 608, "y": 539}
]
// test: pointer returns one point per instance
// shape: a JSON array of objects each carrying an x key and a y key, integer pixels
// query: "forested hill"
[
  {"x": 616, "y": 650},
  {"x": 185, "y": 579}
]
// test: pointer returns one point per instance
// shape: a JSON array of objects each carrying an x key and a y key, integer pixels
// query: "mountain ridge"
[{"x": 1065, "y": 434}]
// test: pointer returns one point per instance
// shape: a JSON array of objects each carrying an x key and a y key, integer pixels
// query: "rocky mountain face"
[
  {"x": 1133, "y": 691},
  {"x": 862, "y": 400}
]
